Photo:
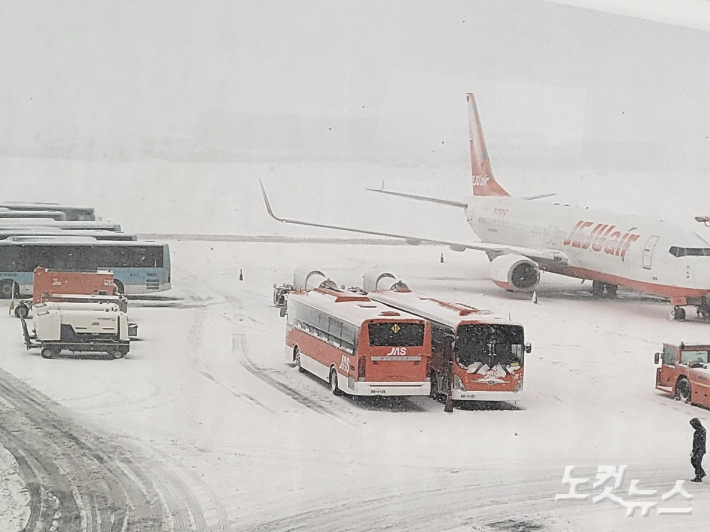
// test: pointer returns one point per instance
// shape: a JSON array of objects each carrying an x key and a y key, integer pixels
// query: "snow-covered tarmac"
[{"x": 207, "y": 395}]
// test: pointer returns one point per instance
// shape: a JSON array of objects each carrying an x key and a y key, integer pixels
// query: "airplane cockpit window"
[{"x": 689, "y": 252}]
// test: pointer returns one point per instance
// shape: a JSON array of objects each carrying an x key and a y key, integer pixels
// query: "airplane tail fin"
[{"x": 484, "y": 184}]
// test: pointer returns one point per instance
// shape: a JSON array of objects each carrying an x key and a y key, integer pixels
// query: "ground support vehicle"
[
  {"x": 78, "y": 327},
  {"x": 47, "y": 284},
  {"x": 280, "y": 294},
  {"x": 684, "y": 372}
]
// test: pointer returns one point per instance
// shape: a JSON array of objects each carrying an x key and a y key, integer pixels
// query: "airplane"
[{"x": 523, "y": 237}]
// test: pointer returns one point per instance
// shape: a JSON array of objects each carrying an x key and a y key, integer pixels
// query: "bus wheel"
[
  {"x": 297, "y": 359},
  {"x": 7, "y": 287},
  {"x": 21, "y": 311},
  {"x": 682, "y": 390},
  {"x": 333, "y": 380},
  {"x": 119, "y": 286}
]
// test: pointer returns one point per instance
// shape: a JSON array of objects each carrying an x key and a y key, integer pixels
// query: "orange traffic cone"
[{"x": 241, "y": 275}]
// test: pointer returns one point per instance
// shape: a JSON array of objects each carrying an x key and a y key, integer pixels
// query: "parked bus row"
[
  {"x": 32, "y": 236},
  {"x": 398, "y": 343}
]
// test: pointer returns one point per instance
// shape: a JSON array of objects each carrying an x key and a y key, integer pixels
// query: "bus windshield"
[
  {"x": 489, "y": 345},
  {"x": 396, "y": 334}
]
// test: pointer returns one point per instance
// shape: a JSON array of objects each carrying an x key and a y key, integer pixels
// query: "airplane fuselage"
[{"x": 633, "y": 251}]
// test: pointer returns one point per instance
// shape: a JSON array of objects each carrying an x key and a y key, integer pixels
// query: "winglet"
[
  {"x": 484, "y": 184},
  {"x": 268, "y": 205}
]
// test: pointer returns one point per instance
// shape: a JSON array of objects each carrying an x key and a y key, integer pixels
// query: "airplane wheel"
[
  {"x": 597, "y": 288},
  {"x": 21, "y": 311},
  {"x": 611, "y": 289}
]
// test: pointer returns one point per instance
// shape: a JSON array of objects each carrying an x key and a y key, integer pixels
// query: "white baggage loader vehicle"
[{"x": 78, "y": 327}]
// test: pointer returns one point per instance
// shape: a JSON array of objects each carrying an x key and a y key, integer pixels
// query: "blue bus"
[{"x": 138, "y": 267}]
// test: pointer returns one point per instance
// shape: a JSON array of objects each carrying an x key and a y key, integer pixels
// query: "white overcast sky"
[{"x": 88, "y": 72}]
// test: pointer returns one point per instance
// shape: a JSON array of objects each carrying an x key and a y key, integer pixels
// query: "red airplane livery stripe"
[{"x": 672, "y": 292}]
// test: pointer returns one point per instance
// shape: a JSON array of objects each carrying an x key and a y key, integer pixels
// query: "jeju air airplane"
[{"x": 523, "y": 237}]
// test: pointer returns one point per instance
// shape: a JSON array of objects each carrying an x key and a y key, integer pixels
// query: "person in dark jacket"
[{"x": 696, "y": 456}]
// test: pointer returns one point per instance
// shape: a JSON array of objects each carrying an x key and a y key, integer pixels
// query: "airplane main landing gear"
[
  {"x": 704, "y": 312},
  {"x": 599, "y": 287}
]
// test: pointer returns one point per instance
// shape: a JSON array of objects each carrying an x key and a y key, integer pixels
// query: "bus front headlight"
[
  {"x": 458, "y": 384},
  {"x": 519, "y": 386}
]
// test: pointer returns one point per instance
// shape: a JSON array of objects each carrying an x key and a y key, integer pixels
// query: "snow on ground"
[
  {"x": 207, "y": 391},
  {"x": 14, "y": 500}
]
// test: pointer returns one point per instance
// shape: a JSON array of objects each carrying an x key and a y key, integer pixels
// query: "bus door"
[
  {"x": 648, "y": 252},
  {"x": 666, "y": 373},
  {"x": 396, "y": 352}
]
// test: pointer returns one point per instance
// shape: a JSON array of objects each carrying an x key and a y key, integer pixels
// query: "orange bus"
[
  {"x": 476, "y": 355},
  {"x": 684, "y": 372},
  {"x": 356, "y": 345}
]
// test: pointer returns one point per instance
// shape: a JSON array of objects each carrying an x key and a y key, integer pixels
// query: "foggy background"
[{"x": 150, "y": 102}]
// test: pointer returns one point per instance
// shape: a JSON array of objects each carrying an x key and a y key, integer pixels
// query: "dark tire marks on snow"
[
  {"x": 80, "y": 481},
  {"x": 241, "y": 350}
]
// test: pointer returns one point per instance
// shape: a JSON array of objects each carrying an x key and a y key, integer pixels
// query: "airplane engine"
[{"x": 515, "y": 273}]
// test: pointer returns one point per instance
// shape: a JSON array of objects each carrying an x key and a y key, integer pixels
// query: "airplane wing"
[
  {"x": 420, "y": 198},
  {"x": 439, "y": 200},
  {"x": 537, "y": 255}
]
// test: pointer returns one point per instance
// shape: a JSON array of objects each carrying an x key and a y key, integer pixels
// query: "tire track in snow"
[
  {"x": 78, "y": 481},
  {"x": 194, "y": 336},
  {"x": 241, "y": 350}
]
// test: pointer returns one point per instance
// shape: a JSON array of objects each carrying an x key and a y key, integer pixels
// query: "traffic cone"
[
  {"x": 442, "y": 257},
  {"x": 534, "y": 297},
  {"x": 241, "y": 275},
  {"x": 449, "y": 406}
]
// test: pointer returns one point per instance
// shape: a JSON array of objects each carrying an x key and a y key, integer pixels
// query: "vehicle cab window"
[
  {"x": 669, "y": 355},
  {"x": 699, "y": 356}
]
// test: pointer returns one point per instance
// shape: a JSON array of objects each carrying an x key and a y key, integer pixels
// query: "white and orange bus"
[
  {"x": 358, "y": 346},
  {"x": 476, "y": 355}
]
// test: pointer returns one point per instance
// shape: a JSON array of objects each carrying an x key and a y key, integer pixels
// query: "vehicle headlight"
[
  {"x": 519, "y": 386},
  {"x": 458, "y": 384}
]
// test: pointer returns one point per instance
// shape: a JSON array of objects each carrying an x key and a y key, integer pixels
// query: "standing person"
[{"x": 696, "y": 456}]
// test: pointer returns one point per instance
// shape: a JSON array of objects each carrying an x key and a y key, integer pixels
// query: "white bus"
[
  {"x": 71, "y": 213},
  {"x": 80, "y": 225}
]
